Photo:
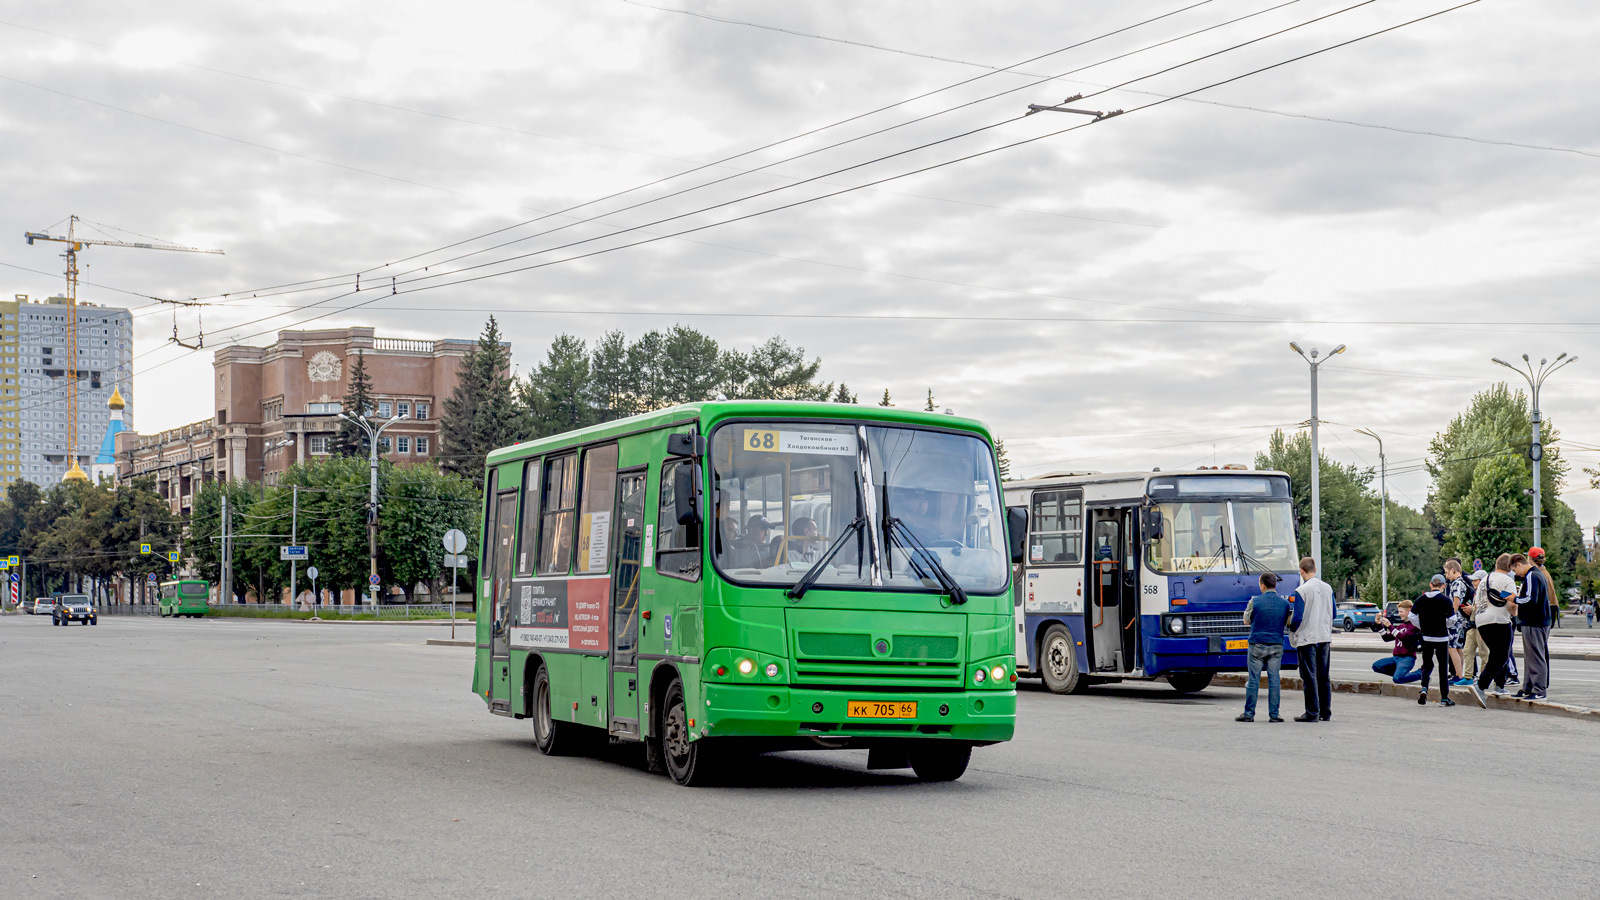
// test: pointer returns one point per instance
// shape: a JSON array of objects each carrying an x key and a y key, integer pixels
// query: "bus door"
[
  {"x": 628, "y": 550},
  {"x": 503, "y": 529},
  {"x": 1112, "y": 606}
]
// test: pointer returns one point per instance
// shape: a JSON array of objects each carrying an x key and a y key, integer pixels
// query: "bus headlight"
[
  {"x": 1175, "y": 625},
  {"x": 746, "y": 666},
  {"x": 978, "y": 676},
  {"x": 998, "y": 673}
]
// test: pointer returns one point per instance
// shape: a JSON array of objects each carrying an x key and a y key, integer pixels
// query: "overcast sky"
[{"x": 1145, "y": 272}]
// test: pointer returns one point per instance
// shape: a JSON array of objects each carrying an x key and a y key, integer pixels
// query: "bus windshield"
[
  {"x": 193, "y": 589},
  {"x": 785, "y": 492},
  {"x": 1200, "y": 536}
]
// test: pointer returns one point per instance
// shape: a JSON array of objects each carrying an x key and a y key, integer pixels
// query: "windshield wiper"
[
  {"x": 940, "y": 573},
  {"x": 856, "y": 527}
]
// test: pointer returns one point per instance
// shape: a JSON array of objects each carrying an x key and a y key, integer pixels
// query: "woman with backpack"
[{"x": 1492, "y": 617}]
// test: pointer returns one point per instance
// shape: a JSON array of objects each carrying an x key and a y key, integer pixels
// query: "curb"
[
  {"x": 1409, "y": 692},
  {"x": 446, "y": 642},
  {"x": 1385, "y": 648}
]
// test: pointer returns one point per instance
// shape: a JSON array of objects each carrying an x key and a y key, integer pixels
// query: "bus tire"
[
  {"x": 939, "y": 760},
  {"x": 1058, "y": 661},
  {"x": 552, "y": 736},
  {"x": 689, "y": 763},
  {"x": 1190, "y": 682}
]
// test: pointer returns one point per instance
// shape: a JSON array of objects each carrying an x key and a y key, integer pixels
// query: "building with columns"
[{"x": 279, "y": 404}]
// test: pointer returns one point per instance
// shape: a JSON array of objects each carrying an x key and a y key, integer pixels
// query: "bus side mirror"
[
  {"x": 1017, "y": 532},
  {"x": 1152, "y": 524},
  {"x": 683, "y": 495},
  {"x": 685, "y": 444}
]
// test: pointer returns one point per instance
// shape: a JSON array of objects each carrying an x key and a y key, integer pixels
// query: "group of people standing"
[{"x": 1462, "y": 628}]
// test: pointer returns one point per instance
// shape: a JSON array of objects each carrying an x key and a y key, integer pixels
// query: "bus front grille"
[
  {"x": 1215, "y": 623},
  {"x": 884, "y": 673}
]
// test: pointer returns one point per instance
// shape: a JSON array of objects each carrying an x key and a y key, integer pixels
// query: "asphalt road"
[{"x": 156, "y": 758}]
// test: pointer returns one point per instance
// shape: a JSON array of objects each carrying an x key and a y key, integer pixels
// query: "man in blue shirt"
[{"x": 1268, "y": 616}]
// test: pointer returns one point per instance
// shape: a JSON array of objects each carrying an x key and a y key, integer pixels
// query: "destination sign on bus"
[{"x": 816, "y": 442}]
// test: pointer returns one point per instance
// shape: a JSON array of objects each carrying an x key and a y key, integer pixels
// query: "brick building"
[{"x": 279, "y": 404}]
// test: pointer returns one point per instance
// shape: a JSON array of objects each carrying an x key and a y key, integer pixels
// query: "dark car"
[
  {"x": 74, "y": 608},
  {"x": 1353, "y": 614}
]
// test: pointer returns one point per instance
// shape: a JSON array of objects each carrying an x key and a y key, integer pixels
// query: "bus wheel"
[
  {"x": 1058, "y": 661},
  {"x": 1190, "y": 682},
  {"x": 940, "y": 761},
  {"x": 689, "y": 763},
  {"x": 553, "y": 737}
]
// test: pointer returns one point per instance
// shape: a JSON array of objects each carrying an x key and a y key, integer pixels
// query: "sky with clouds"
[{"x": 1106, "y": 294}]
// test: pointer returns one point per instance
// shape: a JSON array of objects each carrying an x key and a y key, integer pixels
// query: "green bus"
[
  {"x": 744, "y": 576},
  {"x": 184, "y": 597}
]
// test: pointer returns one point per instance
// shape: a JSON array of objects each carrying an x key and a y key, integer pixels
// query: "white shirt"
[
  {"x": 1316, "y": 622},
  {"x": 1487, "y": 613}
]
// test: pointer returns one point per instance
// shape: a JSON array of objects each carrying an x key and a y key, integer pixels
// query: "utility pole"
[
  {"x": 1535, "y": 379},
  {"x": 225, "y": 594},
  {"x": 294, "y": 538},
  {"x": 1316, "y": 461},
  {"x": 1383, "y": 509},
  {"x": 360, "y": 419}
]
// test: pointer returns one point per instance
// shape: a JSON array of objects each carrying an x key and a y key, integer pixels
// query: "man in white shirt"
[{"x": 1313, "y": 641}]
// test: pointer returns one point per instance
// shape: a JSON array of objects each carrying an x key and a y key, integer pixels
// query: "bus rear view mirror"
[
  {"x": 1152, "y": 524},
  {"x": 686, "y": 444},
  {"x": 1017, "y": 532},
  {"x": 683, "y": 495}
]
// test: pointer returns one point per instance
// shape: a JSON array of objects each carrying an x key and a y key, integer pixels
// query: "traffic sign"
[
  {"x": 290, "y": 553},
  {"x": 14, "y": 561},
  {"x": 16, "y": 577},
  {"x": 311, "y": 573},
  {"x": 153, "y": 578},
  {"x": 455, "y": 541},
  {"x": 172, "y": 556},
  {"x": 374, "y": 580},
  {"x": 145, "y": 549},
  {"x": 455, "y": 560},
  {"x": 4, "y": 565}
]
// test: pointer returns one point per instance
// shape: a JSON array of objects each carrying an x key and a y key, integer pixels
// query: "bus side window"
[
  {"x": 1055, "y": 528},
  {"x": 528, "y": 539},
  {"x": 677, "y": 546},
  {"x": 558, "y": 503},
  {"x": 599, "y": 499}
]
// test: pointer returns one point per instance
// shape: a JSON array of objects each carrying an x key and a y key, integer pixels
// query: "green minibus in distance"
[
  {"x": 184, "y": 597},
  {"x": 734, "y": 577}
]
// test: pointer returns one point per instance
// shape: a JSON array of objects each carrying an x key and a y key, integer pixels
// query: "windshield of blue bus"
[
  {"x": 785, "y": 492},
  {"x": 1208, "y": 536}
]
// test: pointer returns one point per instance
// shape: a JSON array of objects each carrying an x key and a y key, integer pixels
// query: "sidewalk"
[
  {"x": 1464, "y": 699},
  {"x": 1565, "y": 643}
]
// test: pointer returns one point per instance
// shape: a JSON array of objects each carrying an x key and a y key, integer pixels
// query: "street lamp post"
[
  {"x": 1383, "y": 510},
  {"x": 372, "y": 433},
  {"x": 1535, "y": 378},
  {"x": 1316, "y": 462}
]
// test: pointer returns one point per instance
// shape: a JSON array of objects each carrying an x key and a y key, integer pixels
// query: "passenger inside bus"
[{"x": 805, "y": 542}]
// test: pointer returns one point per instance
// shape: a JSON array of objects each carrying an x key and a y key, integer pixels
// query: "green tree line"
[{"x": 81, "y": 536}]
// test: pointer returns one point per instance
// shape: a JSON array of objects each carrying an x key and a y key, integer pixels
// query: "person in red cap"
[{"x": 1533, "y": 612}]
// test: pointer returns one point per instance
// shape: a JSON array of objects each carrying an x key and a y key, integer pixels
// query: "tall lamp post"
[
  {"x": 1535, "y": 378},
  {"x": 1316, "y": 462},
  {"x": 1383, "y": 510},
  {"x": 372, "y": 432}
]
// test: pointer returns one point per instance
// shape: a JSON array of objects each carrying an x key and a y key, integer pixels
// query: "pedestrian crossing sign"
[
  {"x": 172, "y": 556},
  {"x": 145, "y": 549}
]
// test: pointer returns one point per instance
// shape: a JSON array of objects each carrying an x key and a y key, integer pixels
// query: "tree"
[
  {"x": 1497, "y": 422},
  {"x": 774, "y": 371},
  {"x": 886, "y": 401},
  {"x": 1002, "y": 460},
  {"x": 420, "y": 504},
  {"x": 1349, "y": 512},
  {"x": 352, "y": 440},
  {"x": 613, "y": 384},
  {"x": 558, "y": 393},
  {"x": 205, "y": 531},
  {"x": 481, "y": 414},
  {"x": 843, "y": 395},
  {"x": 930, "y": 407}
]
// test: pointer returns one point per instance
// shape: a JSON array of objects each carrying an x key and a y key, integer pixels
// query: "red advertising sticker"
[{"x": 586, "y": 614}]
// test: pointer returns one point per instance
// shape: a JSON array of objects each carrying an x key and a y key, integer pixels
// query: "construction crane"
[{"x": 74, "y": 245}]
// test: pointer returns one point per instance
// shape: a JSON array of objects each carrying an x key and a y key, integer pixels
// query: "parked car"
[
  {"x": 74, "y": 608},
  {"x": 1353, "y": 614},
  {"x": 44, "y": 606}
]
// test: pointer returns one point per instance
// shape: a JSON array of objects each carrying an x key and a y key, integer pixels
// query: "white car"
[{"x": 44, "y": 606}]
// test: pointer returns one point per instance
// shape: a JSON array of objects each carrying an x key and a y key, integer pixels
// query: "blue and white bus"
[{"x": 1145, "y": 575}]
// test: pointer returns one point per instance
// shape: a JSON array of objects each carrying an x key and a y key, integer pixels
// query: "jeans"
[
  {"x": 1399, "y": 667},
  {"x": 1314, "y": 680},
  {"x": 1436, "y": 652},
  {"x": 1498, "y": 638},
  {"x": 1269, "y": 657},
  {"x": 1536, "y": 659}
]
